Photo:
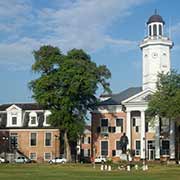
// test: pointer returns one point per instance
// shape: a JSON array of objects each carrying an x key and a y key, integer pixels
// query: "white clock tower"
[{"x": 155, "y": 52}]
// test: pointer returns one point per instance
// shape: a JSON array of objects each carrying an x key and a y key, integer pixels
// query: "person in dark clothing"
[{"x": 124, "y": 143}]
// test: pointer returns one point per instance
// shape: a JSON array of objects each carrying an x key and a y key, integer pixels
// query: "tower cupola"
[
  {"x": 155, "y": 25},
  {"x": 155, "y": 52}
]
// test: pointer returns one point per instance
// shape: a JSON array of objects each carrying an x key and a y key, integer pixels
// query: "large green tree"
[
  {"x": 67, "y": 85},
  {"x": 165, "y": 102}
]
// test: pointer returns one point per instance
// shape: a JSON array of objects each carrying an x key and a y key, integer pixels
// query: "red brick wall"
[
  {"x": 40, "y": 148},
  {"x": 112, "y": 137}
]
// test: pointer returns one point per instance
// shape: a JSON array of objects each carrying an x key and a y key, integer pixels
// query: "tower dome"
[{"x": 156, "y": 18}]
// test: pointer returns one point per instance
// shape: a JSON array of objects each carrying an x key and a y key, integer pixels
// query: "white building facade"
[
  {"x": 151, "y": 141},
  {"x": 156, "y": 59}
]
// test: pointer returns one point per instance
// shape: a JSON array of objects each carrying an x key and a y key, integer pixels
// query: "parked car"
[
  {"x": 58, "y": 160},
  {"x": 100, "y": 159},
  {"x": 2, "y": 160},
  {"x": 22, "y": 159}
]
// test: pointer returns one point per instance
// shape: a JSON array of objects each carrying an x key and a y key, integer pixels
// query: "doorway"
[{"x": 151, "y": 150}]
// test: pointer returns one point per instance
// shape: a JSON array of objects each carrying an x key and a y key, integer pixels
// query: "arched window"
[
  {"x": 154, "y": 30},
  {"x": 160, "y": 30},
  {"x": 149, "y": 30}
]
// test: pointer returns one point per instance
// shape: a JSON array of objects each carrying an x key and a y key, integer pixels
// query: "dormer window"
[
  {"x": 33, "y": 119},
  {"x": 46, "y": 118},
  {"x": 14, "y": 116}
]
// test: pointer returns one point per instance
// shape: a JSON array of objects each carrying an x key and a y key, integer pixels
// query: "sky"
[{"x": 108, "y": 30}]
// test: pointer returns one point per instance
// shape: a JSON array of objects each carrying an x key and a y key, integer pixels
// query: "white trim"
[
  {"x": 137, "y": 95},
  {"x": 13, "y": 106},
  {"x": 46, "y": 114}
]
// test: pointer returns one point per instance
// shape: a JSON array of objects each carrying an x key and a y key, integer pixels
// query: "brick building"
[
  {"x": 85, "y": 145},
  {"x": 124, "y": 112},
  {"x": 24, "y": 130}
]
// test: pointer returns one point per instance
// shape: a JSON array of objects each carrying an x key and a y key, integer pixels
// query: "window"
[
  {"x": 104, "y": 148},
  {"x": 33, "y": 156},
  {"x": 149, "y": 30},
  {"x": 104, "y": 126},
  {"x": 33, "y": 120},
  {"x": 14, "y": 140},
  {"x": 154, "y": 30},
  {"x": 47, "y": 156},
  {"x": 86, "y": 140},
  {"x": 134, "y": 122},
  {"x": 118, "y": 145},
  {"x": 138, "y": 147},
  {"x": 14, "y": 120},
  {"x": 48, "y": 139},
  {"x": 164, "y": 125},
  {"x": 165, "y": 147},
  {"x": 146, "y": 126},
  {"x": 119, "y": 125},
  {"x": 86, "y": 152},
  {"x": 137, "y": 129},
  {"x": 160, "y": 30},
  {"x": 33, "y": 140},
  {"x": 104, "y": 122},
  {"x": 89, "y": 140}
]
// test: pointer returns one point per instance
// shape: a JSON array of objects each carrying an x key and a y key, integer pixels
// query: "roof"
[
  {"x": 155, "y": 18},
  {"x": 23, "y": 106},
  {"x": 116, "y": 99}
]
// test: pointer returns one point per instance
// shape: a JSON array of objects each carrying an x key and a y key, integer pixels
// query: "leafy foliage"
[
  {"x": 165, "y": 102},
  {"x": 67, "y": 86}
]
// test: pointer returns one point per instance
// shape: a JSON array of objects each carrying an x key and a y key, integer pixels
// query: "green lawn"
[{"x": 83, "y": 172}]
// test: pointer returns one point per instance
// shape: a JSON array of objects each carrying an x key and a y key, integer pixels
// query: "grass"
[{"x": 83, "y": 172}]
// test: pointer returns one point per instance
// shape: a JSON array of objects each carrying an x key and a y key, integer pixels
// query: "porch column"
[
  {"x": 128, "y": 129},
  {"x": 172, "y": 139},
  {"x": 143, "y": 136},
  {"x": 157, "y": 138}
]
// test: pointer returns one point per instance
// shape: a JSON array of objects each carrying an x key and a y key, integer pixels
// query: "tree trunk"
[{"x": 67, "y": 148}]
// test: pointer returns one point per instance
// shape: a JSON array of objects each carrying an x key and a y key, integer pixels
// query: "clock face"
[{"x": 154, "y": 55}]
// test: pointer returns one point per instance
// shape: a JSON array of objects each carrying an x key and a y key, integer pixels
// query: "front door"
[{"x": 151, "y": 150}]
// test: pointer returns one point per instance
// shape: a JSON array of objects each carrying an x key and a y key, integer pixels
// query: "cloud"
[
  {"x": 14, "y": 14},
  {"x": 85, "y": 23},
  {"x": 72, "y": 24},
  {"x": 18, "y": 55}
]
